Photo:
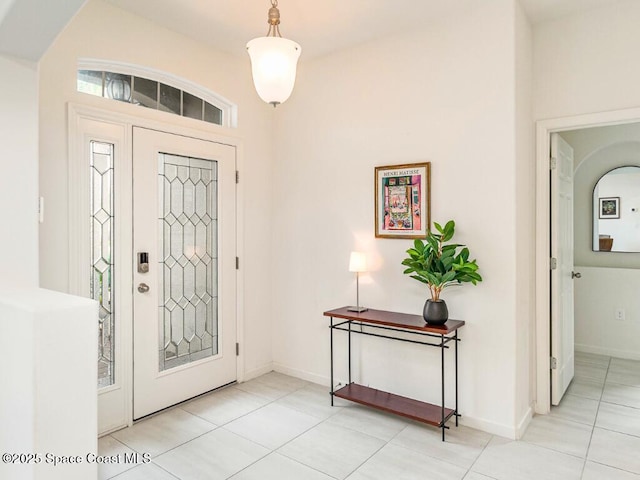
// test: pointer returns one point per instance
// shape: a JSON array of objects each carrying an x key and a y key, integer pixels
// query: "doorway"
[
  {"x": 546, "y": 225},
  {"x": 155, "y": 211}
]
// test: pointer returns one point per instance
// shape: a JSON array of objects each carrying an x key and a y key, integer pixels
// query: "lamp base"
[{"x": 357, "y": 309}]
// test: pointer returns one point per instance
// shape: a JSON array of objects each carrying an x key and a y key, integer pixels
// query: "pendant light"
[{"x": 273, "y": 61}]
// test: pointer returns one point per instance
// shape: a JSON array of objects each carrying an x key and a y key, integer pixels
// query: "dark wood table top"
[{"x": 395, "y": 319}]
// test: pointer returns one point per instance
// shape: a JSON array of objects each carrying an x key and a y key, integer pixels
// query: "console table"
[{"x": 383, "y": 324}]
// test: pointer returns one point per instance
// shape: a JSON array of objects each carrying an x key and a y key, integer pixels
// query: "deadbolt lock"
[{"x": 143, "y": 262}]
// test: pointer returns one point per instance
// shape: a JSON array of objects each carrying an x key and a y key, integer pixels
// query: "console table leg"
[
  {"x": 442, "y": 367},
  {"x": 349, "y": 352},
  {"x": 455, "y": 341},
  {"x": 331, "y": 349}
]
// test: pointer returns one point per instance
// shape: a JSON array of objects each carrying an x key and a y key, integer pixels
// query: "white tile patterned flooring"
[{"x": 279, "y": 427}]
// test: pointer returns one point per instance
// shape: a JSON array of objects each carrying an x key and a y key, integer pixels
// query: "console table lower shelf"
[{"x": 388, "y": 402}]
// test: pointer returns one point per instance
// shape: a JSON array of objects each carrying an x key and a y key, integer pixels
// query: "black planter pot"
[{"x": 435, "y": 312}]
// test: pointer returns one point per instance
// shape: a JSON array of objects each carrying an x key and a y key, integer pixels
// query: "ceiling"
[
  {"x": 27, "y": 27},
  {"x": 322, "y": 26}
]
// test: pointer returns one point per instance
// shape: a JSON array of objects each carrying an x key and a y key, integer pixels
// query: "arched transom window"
[{"x": 156, "y": 90}]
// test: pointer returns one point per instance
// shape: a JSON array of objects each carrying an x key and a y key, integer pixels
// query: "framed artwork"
[
  {"x": 609, "y": 207},
  {"x": 403, "y": 206}
]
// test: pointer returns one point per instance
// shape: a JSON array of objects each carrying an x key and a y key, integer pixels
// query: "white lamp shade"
[
  {"x": 273, "y": 65},
  {"x": 357, "y": 262}
]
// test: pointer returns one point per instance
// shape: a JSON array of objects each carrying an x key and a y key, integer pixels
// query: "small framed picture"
[
  {"x": 609, "y": 207},
  {"x": 403, "y": 200}
]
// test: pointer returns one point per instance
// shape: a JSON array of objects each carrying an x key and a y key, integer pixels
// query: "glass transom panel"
[
  {"x": 102, "y": 242},
  {"x": 188, "y": 310},
  {"x": 147, "y": 93}
]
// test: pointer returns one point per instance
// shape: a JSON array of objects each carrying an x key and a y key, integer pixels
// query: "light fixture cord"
[{"x": 274, "y": 20}]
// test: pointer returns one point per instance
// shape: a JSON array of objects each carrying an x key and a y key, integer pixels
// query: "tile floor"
[{"x": 279, "y": 427}]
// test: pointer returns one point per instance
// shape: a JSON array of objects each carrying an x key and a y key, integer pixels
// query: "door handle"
[
  {"x": 143, "y": 288},
  {"x": 576, "y": 275}
]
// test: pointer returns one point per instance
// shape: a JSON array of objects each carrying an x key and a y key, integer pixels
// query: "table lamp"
[{"x": 357, "y": 263}]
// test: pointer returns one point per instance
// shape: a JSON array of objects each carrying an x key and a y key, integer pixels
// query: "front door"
[{"x": 184, "y": 278}]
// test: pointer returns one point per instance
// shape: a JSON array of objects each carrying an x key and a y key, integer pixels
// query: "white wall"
[
  {"x": 586, "y": 141},
  {"x": 104, "y": 32},
  {"x": 48, "y": 399},
  {"x": 5, "y": 6},
  {"x": 19, "y": 167},
  {"x": 18, "y": 247},
  {"x": 585, "y": 63},
  {"x": 445, "y": 94},
  {"x": 598, "y": 294}
]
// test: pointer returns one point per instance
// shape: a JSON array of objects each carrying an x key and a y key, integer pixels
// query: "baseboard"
[
  {"x": 488, "y": 426},
  {"x": 302, "y": 374},
  {"x": 610, "y": 352},
  {"x": 257, "y": 372},
  {"x": 524, "y": 423}
]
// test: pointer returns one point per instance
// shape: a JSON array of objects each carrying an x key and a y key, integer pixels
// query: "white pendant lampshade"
[
  {"x": 274, "y": 61},
  {"x": 273, "y": 64}
]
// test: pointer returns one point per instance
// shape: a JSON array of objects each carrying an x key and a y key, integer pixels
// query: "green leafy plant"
[{"x": 440, "y": 265}]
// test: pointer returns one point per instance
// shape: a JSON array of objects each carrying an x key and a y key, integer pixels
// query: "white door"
[
  {"x": 562, "y": 338},
  {"x": 184, "y": 316}
]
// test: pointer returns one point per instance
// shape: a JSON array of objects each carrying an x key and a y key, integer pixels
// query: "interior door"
[
  {"x": 184, "y": 323},
  {"x": 562, "y": 336}
]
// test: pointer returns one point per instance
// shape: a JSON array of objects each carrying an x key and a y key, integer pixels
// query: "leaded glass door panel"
[{"x": 184, "y": 303}]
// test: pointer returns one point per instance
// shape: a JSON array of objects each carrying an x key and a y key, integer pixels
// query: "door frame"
[
  {"x": 544, "y": 129},
  {"x": 117, "y": 114}
]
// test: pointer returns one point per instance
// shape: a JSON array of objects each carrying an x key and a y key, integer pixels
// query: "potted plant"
[{"x": 440, "y": 265}]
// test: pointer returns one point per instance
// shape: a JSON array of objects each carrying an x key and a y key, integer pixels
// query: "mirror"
[{"x": 616, "y": 211}]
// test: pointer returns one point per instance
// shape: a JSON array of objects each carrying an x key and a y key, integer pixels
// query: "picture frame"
[
  {"x": 609, "y": 207},
  {"x": 403, "y": 200}
]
